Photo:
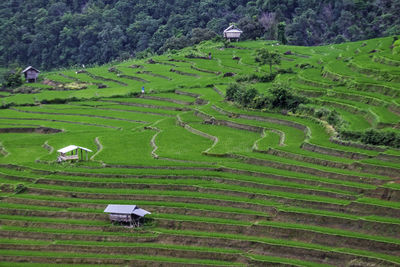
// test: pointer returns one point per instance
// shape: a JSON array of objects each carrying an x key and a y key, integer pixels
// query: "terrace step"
[
  {"x": 278, "y": 199},
  {"x": 216, "y": 202},
  {"x": 360, "y": 225},
  {"x": 355, "y": 166},
  {"x": 146, "y": 105},
  {"x": 100, "y": 216},
  {"x": 176, "y": 101},
  {"x": 331, "y": 221},
  {"x": 316, "y": 192},
  {"x": 306, "y": 170},
  {"x": 279, "y": 232},
  {"x": 270, "y": 248},
  {"x": 121, "y": 250},
  {"x": 77, "y": 114},
  {"x": 385, "y": 193},
  {"x": 96, "y": 261},
  {"x": 207, "y": 178},
  {"x": 76, "y": 237}
]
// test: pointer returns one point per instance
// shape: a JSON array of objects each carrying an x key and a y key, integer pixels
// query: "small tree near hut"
[
  {"x": 13, "y": 78},
  {"x": 265, "y": 57}
]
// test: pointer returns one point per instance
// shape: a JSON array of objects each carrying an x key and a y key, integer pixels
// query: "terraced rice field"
[{"x": 226, "y": 186}]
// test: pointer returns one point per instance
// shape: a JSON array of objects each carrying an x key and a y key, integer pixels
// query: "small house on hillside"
[
  {"x": 31, "y": 74},
  {"x": 129, "y": 215},
  {"x": 74, "y": 153},
  {"x": 232, "y": 33}
]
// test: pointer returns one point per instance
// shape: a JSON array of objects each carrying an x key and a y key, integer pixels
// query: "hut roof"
[
  {"x": 126, "y": 209},
  {"x": 71, "y": 148},
  {"x": 30, "y": 67},
  {"x": 123, "y": 209},
  {"x": 233, "y": 28},
  {"x": 141, "y": 212}
]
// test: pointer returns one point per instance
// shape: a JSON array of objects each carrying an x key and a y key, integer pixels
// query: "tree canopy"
[
  {"x": 49, "y": 34},
  {"x": 266, "y": 57}
]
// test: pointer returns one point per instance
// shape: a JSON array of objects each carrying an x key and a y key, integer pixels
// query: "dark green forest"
[{"x": 50, "y": 34}]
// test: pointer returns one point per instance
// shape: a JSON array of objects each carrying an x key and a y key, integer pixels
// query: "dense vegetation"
[{"x": 51, "y": 34}]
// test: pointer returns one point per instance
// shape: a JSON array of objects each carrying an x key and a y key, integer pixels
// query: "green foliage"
[
  {"x": 373, "y": 137},
  {"x": 281, "y": 33},
  {"x": 265, "y": 57},
  {"x": 50, "y": 34},
  {"x": 283, "y": 97},
  {"x": 13, "y": 78},
  {"x": 396, "y": 47},
  {"x": 279, "y": 97}
]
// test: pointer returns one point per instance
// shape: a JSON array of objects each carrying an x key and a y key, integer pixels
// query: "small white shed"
[
  {"x": 131, "y": 215},
  {"x": 74, "y": 155},
  {"x": 232, "y": 32},
  {"x": 31, "y": 74}
]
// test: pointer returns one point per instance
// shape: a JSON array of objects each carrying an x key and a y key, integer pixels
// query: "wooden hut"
[
  {"x": 74, "y": 153},
  {"x": 232, "y": 33},
  {"x": 31, "y": 74},
  {"x": 129, "y": 215}
]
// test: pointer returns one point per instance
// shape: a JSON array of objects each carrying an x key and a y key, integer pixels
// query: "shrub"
[
  {"x": 231, "y": 91},
  {"x": 373, "y": 137},
  {"x": 279, "y": 97},
  {"x": 13, "y": 78},
  {"x": 282, "y": 97},
  {"x": 256, "y": 78}
]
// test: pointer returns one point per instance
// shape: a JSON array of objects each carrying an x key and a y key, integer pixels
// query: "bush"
[
  {"x": 282, "y": 97},
  {"x": 279, "y": 97},
  {"x": 256, "y": 78},
  {"x": 13, "y": 78},
  {"x": 231, "y": 91},
  {"x": 373, "y": 137}
]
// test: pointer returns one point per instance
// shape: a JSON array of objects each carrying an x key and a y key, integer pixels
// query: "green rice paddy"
[{"x": 226, "y": 186}]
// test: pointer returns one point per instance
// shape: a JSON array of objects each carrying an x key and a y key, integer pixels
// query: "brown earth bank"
[
  {"x": 356, "y": 166},
  {"x": 171, "y": 100},
  {"x": 194, "y": 187},
  {"x": 38, "y": 130},
  {"x": 353, "y": 208},
  {"x": 278, "y": 199},
  {"x": 308, "y": 236},
  {"x": 77, "y": 260},
  {"x": 335, "y": 258},
  {"x": 360, "y": 225},
  {"x": 109, "y": 250}
]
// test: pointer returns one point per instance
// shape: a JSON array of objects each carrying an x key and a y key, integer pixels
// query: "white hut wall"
[{"x": 232, "y": 35}]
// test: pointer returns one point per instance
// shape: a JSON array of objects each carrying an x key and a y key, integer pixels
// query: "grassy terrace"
[{"x": 226, "y": 186}]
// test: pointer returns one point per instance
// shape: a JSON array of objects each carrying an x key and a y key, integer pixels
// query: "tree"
[
  {"x": 13, "y": 78},
  {"x": 264, "y": 57},
  {"x": 281, "y": 33},
  {"x": 268, "y": 21}
]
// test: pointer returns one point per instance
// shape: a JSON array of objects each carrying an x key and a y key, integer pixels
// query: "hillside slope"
[
  {"x": 53, "y": 34},
  {"x": 225, "y": 185}
]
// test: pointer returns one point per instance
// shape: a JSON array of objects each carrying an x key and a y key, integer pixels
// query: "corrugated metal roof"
[
  {"x": 126, "y": 209},
  {"x": 232, "y": 28},
  {"x": 141, "y": 212},
  {"x": 71, "y": 148},
  {"x": 122, "y": 209},
  {"x": 28, "y": 68}
]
